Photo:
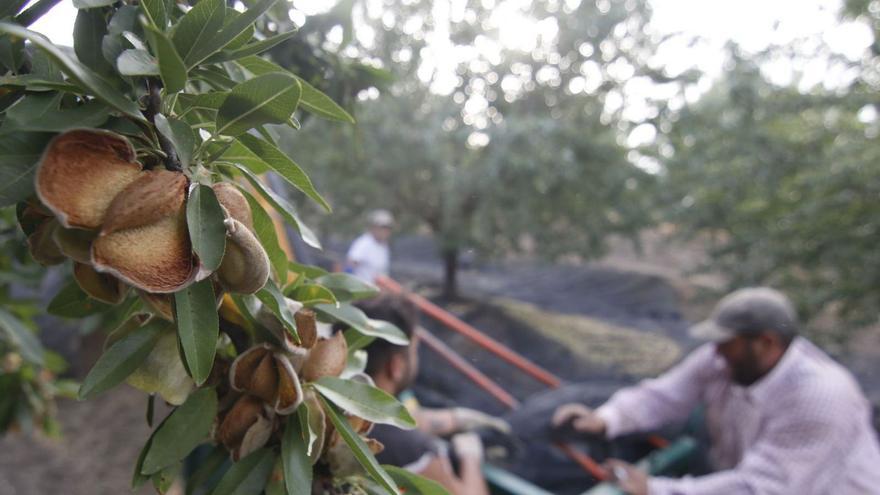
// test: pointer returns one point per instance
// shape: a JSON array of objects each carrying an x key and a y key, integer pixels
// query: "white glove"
[
  {"x": 468, "y": 446},
  {"x": 471, "y": 419}
]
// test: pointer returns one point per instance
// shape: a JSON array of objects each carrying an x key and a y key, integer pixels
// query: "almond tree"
[{"x": 136, "y": 159}]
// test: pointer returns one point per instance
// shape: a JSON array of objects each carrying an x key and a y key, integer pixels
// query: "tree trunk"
[{"x": 450, "y": 273}]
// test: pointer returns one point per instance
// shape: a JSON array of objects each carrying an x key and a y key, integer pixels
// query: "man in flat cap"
[{"x": 782, "y": 416}]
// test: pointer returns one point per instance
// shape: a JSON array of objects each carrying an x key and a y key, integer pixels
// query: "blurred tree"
[
  {"x": 500, "y": 140},
  {"x": 784, "y": 185}
]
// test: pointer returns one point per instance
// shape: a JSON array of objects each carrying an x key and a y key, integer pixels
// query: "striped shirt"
[{"x": 803, "y": 429}]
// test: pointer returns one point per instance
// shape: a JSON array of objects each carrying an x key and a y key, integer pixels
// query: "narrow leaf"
[
  {"x": 311, "y": 294},
  {"x": 272, "y": 297},
  {"x": 72, "y": 302},
  {"x": 265, "y": 231},
  {"x": 285, "y": 167},
  {"x": 247, "y": 476},
  {"x": 283, "y": 207},
  {"x": 156, "y": 12},
  {"x": 204, "y": 217},
  {"x": 356, "y": 319},
  {"x": 231, "y": 31},
  {"x": 251, "y": 49},
  {"x": 322, "y": 105},
  {"x": 347, "y": 287},
  {"x": 40, "y": 113},
  {"x": 181, "y": 136},
  {"x": 295, "y": 460},
  {"x": 413, "y": 484},
  {"x": 134, "y": 62},
  {"x": 186, "y": 428},
  {"x": 121, "y": 359},
  {"x": 359, "y": 449},
  {"x": 90, "y": 4},
  {"x": 171, "y": 66},
  {"x": 198, "y": 326},
  {"x": 365, "y": 401},
  {"x": 267, "y": 99},
  {"x": 88, "y": 31},
  {"x": 78, "y": 73},
  {"x": 195, "y": 30},
  {"x": 21, "y": 338},
  {"x": 237, "y": 153}
]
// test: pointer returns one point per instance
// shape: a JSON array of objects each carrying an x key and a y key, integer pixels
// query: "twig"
[{"x": 154, "y": 105}]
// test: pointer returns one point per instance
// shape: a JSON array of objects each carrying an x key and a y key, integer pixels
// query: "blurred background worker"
[
  {"x": 782, "y": 416},
  {"x": 393, "y": 369},
  {"x": 369, "y": 255}
]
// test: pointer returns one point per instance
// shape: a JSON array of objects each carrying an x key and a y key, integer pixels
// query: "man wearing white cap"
[
  {"x": 369, "y": 256},
  {"x": 782, "y": 416}
]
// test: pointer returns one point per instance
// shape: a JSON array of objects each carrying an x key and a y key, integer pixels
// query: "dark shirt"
[{"x": 410, "y": 449}]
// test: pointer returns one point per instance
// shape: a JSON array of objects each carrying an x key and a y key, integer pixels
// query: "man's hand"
[
  {"x": 468, "y": 446},
  {"x": 627, "y": 477},
  {"x": 581, "y": 417},
  {"x": 470, "y": 419}
]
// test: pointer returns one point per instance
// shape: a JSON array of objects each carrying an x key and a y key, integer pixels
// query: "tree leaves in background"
[
  {"x": 204, "y": 218},
  {"x": 21, "y": 338},
  {"x": 285, "y": 167},
  {"x": 186, "y": 427},
  {"x": 365, "y": 401},
  {"x": 78, "y": 73},
  {"x": 19, "y": 153},
  {"x": 295, "y": 460},
  {"x": 121, "y": 359},
  {"x": 248, "y": 476},
  {"x": 267, "y": 99},
  {"x": 359, "y": 448},
  {"x": 198, "y": 326}
]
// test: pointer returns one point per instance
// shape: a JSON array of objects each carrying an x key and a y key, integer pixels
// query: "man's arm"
[
  {"x": 471, "y": 482},
  {"x": 652, "y": 403}
]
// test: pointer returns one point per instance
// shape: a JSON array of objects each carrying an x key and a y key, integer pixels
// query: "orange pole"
[
  {"x": 472, "y": 333},
  {"x": 469, "y": 370}
]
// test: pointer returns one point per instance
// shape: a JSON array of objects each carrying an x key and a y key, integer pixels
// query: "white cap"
[{"x": 381, "y": 218}]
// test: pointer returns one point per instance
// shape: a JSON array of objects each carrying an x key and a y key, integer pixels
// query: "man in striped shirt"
[{"x": 782, "y": 417}]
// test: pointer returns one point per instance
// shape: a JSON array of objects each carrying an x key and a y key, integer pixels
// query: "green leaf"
[
  {"x": 204, "y": 217},
  {"x": 359, "y": 448},
  {"x": 198, "y": 326},
  {"x": 312, "y": 427},
  {"x": 248, "y": 476},
  {"x": 156, "y": 12},
  {"x": 19, "y": 155},
  {"x": 322, "y": 105},
  {"x": 347, "y": 287},
  {"x": 311, "y": 100},
  {"x": 265, "y": 231},
  {"x": 40, "y": 113},
  {"x": 413, "y": 484},
  {"x": 88, "y": 32},
  {"x": 272, "y": 297},
  {"x": 281, "y": 206},
  {"x": 307, "y": 271},
  {"x": 251, "y": 49},
  {"x": 356, "y": 319},
  {"x": 125, "y": 19},
  {"x": 78, "y": 73},
  {"x": 230, "y": 31},
  {"x": 21, "y": 338},
  {"x": 72, "y": 302},
  {"x": 237, "y": 153},
  {"x": 35, "y": 11},
  {"x": 9, "y": 8},
  {"x": 90, "y": 4},
  {"x": 11, "y": 51},
  {"x": 285, "y": 167},
  {"x": 171, "y": 66},
  {"x": 188, "y": 426},
  {"x": 121, "y": 359},
  {"x": 311, "y": 294},
  {"x": 36, "y": 83},
  {"x": 294, "y": 457},
  {"x": 163, "y": 480},
  {"x": 195, "y": 30},
  {"x": 133, "y": 62},
  {"x": 180, "y": 134},
  {"x": 205, "y": 472},
  {"x": 267, "y": 99},
  {"x": 138, "y": 479},
  {"x": 365, "y": 401}
]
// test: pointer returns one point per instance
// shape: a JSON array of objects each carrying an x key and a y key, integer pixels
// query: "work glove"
[{"x": 471, "y": 419}]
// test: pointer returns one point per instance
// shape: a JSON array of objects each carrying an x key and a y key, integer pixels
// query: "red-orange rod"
[
  {"x": 472, "y": 333},
  {"x": 466, "y": 368}
]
